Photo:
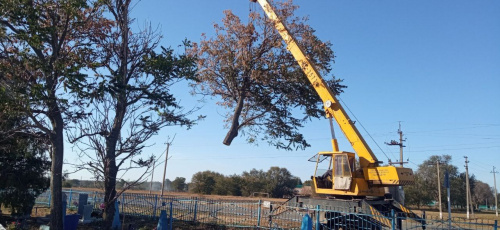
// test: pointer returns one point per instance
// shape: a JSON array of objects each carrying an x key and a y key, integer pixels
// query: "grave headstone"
[
  {"x": 82, "y": 201},
  {"x": 87, "y": 211}
]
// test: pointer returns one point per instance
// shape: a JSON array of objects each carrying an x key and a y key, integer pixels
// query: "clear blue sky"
[{"x": 434, "y": 65}]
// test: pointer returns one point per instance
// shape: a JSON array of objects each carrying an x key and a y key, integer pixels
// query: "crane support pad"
[{"x": 374, "y": 212}]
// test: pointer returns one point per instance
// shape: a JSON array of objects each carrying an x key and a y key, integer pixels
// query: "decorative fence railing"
[{"x": 252, "y": 213}]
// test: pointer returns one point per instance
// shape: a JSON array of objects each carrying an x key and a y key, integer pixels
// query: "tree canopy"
[
  {"x": 130, "y": 100},
  {"x": 23, "y": 162},
  {"x": 277, "y": 182},
  {"x": 249, "y": 70},
  {"x": 44, "y": 46},
  {"x": 425, "y": 190},
  {"x": 179, "y": 184}
]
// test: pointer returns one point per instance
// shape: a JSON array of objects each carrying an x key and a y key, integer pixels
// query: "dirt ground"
[
  {"x": 39, "y": 212},
  {"x": 484, "y": 215},
  {"x": 145, "y": 223},
  {"x": 186, "y": 194},
  {"x": 136, "y": 223}
]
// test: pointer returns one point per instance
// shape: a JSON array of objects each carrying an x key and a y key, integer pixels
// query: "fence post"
[
  {"x": 424, "y": 222},
  {"x": 318, "y": 226},
  {"x": 123, "y": 203},
  {"x": 195, "y": 208},
  {"x": 50, "y": 196},
  {"x": 393, "y": 220},
  {"x": 154, "y": 209},
  {"x": 70, "y": 194},
  {"x": 95, "y": 197},
  {"x": 258, "y": 213},
  {"x": 171, "y": 220}
]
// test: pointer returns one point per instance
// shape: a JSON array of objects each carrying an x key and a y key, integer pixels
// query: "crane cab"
[
  {"x": 334, "y": 170},
  {"x": 337, "y": 174}
]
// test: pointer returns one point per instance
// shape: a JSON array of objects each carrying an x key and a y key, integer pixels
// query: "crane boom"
[{"x": 341, "y": 177}]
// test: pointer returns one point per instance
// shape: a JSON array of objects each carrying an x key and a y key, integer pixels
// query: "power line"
[
  {"x": 453, "y": 129},
  {"x": 449, "y": 149},
  {"x": 466, "y": 144},
  {"x": 481, "y": 168},
  {"x": 413, "y": 163},
  {"x": 363, "y": 127}
]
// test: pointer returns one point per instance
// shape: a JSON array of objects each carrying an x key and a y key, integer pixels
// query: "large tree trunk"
[
  {"x": 233, "y": 130},
  {"x": 57, "y": 155},
  {"x": 110, "y": 190},
  {"x": 110, "y": 167}
]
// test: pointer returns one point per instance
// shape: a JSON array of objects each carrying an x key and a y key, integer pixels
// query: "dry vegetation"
[
  {"x": 484, "y": 215},
  {"x": 186, "y": 194}
]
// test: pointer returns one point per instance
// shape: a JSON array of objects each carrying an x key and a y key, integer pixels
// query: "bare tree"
[
  {"x": 131, "y": 100},
  {"x": 90, "y": 137},
  {"x": 248, "y": 68},
  {"x": 482, "y": 194}
]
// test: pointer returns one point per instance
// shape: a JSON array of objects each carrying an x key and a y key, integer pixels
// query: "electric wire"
[
  {"x": 450, "y": 149},
  {"x": 413, "y": 163},
  {"x": 363, "y": 128},
  {"x": 489, "y": 165},
  {"x": 480, "y": 168}
]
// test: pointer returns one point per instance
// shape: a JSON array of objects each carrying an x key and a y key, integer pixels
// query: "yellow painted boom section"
[
  {"x": 335, "y": 110},
  {"x": 389, "y": 176}
]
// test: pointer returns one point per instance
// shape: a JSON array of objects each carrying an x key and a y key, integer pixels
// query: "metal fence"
[{"x": 252, "y": 213}]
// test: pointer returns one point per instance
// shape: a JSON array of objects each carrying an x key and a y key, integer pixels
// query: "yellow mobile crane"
[
  {"x": 343, "y": 178},
  {"x": 362, "y": 187}
]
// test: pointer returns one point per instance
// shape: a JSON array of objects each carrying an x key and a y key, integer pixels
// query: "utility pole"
[
  {"x": 400, "y": 144},
  {"x": 496, "y": 194},
  {"x": 439, "y": 191},
  {"x": 152, "y": 174},
  {"x": 447, "y": 185},
  {"x": 469, "y": 200},
  {"x": 165, "y": 170},
  {"x": 400, "y": 195}
]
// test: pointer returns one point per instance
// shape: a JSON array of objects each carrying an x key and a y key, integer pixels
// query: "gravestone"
[
  {"x": 87, "y": 211},
  {"x": 82, "y": 201}
]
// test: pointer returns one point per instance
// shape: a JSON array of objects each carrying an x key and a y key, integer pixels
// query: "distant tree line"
[
  {"x": 177, "y": 185},
  {"x": 425, "y": 189},
  {"x": 277, "y": 182}
]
